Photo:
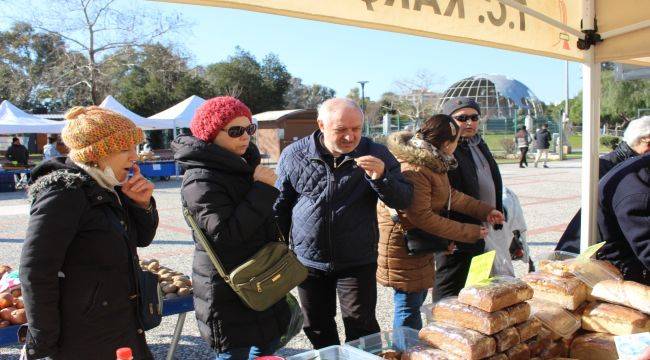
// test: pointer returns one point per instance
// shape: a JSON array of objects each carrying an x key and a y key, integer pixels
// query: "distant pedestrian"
[
  {"x": 522, "y": 141},
  {"x": 542, "y": 143},
  {"x": 49, "y": 150}
]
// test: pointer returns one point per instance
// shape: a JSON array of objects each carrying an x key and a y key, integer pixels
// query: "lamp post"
[{"x": 363, "y": 105}]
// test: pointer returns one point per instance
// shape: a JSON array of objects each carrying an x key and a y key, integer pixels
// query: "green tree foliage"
[
  {"x": 300, "y": 96},
  {"x": 260, "y": 86}
]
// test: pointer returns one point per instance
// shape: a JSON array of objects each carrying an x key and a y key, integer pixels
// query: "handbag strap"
[{"x": 200, "y": 237}]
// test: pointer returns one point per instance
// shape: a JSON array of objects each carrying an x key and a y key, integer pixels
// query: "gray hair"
[
  {"x": 326, "y": 109},
  {"x": 637, "y": 130}
]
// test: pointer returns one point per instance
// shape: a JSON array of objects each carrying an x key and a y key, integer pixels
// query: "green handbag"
[{"x": 262, "y": 280}]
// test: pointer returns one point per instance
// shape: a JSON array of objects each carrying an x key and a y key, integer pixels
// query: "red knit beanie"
[{"x": 215, "y": 114}]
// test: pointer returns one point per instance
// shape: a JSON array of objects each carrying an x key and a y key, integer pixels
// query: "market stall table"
[
  {"x": 7, "y": 181},
  {"x": 177, "y": 306}
]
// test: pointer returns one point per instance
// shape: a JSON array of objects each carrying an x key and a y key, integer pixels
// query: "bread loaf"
[
  {"x": 496, "y": 293},
  {"x": 498, "y": 357},
  {"x": 626, "y": 293},
  {"x": 566, "y": 292},
  {"x": 451, "y": 311},
  {"x": 557, "y": 349},
  {"x": 560, "y": 268},
  {"x": 519, "y": 352},
  {"x": 538, "y": 344},
  {"x": 529, "y": 329},
  {"x": 468, "y": 344},
  {"x": 518, "y": 314},
  {"x": 594, "y": 346},
  {"x": 426, "y": 353},
  {"x": 614, "y": 319},
  {"x": 507, "y": 339}
]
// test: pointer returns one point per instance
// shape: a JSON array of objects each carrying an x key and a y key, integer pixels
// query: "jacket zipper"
[{"x": 330, "y": 217}]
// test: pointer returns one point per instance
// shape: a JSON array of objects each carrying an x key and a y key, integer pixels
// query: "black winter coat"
[
  {"x": 75, "y": 269},
  {"x": 543, "y": 139},
  {"x": 236, "y": 215},
  {"x": 17, "y": 153},
  {"x": 570, "y": 240},
  {"x": 624, "y": 218}
]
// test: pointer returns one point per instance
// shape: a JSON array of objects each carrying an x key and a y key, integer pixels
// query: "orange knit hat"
[{"x": 93, "y": 133}]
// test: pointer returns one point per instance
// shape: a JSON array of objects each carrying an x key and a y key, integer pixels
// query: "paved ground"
[{"x": 549, "y": 197}]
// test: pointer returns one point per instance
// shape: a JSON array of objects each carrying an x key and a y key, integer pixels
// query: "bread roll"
[
  {"x": 529, "y": 329},
  {"x": 614, "y": 319},
  {"x": 538, "y": 344},
  {"x": 468, "y": 344},
  {"x": 626, "y": 293},
  {"x": 519, "y": 352},
  {"x": 507, "y": 339},
  {"x": 519, "y": 313},
  {"x": 427, "y": 353},
  {"x": 569, "y": 293},
  {"x": 451, "y": 311},
  {"x": 496, "y": 293},
  {"x": 560, "y": 268},
  {"x": 594, "y": 346}
]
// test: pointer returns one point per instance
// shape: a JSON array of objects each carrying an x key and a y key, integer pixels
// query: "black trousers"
[
  {"x": 357, "y": 291},
  {"x": 522, "y": 157},
  {"x": 451, "y": 274}
]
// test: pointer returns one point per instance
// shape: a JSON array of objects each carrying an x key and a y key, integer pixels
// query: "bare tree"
[
  {"x": 98, "y": 29},
  {"x": 414, "y": 98}
]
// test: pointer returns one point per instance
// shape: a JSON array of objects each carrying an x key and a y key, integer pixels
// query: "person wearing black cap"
[{"x": 477, "y": 175}]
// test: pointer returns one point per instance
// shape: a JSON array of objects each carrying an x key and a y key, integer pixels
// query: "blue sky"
[{"x": 338, "y": 56}]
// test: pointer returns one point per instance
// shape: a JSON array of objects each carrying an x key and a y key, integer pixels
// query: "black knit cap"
[{"x": 457, "y": 103}]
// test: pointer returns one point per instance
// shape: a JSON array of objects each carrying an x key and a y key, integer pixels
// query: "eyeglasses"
[
  {"x": 463, "y": 118},
  {"x": 237, "y": 131}
]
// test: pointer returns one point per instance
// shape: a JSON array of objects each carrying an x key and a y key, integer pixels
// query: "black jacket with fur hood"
[{"x": 75, "y": 268}]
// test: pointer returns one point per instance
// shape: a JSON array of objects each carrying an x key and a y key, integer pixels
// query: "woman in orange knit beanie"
[{"x": 78, "y": 263}]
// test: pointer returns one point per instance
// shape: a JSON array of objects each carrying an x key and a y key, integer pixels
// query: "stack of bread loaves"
[
  {"x": 488, "y": 320},
  {"x": 620, "y": 308}
]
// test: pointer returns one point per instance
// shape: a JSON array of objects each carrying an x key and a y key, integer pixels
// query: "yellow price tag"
[
  {"x": 480, "y": 268},
  {"x": 591, "y": 251}
]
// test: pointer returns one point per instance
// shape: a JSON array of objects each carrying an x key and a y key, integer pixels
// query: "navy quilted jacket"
[{"x": 331, "y": 214}]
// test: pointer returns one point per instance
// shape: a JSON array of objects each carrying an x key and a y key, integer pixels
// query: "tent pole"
[
  {"x": 625, "y": 29},
  {"x": 590, "y": 134}
]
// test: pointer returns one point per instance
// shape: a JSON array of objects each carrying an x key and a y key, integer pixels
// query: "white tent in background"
[
  {"x": 15, "y": 121},
  {"x": 146, "y": 124},
  {"x": 182, "y": 113}
]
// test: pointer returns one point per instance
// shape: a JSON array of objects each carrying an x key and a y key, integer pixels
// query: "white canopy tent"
[
  {"x": 147, "y": 124},
  {"x": 15, "y": 121},
  {"x": 586, "y": 31},
  {"x": 182, "y": 113}
]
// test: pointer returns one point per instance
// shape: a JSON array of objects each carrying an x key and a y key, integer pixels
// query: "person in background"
[
  {"x": 231, "y": 197},
  {"x": 425, "y": 158},
  {"x": 478, "y": 176},
  {"x": 49, "y": 150},
  {"x": 522, "y": 141},
  {"x": 330, "y": 182},
  {"x": 636, "y": 141},
  {"x": 19, "y": 154},
  {"x": 87, "y": 219},
  {"x": 624, "y": 217},
  {"x": 542, "y": 144}
]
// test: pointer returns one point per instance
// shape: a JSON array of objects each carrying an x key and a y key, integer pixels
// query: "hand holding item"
[
  {"x": 495, "y": 217},
  {"x": 373, "y": 166},
  {"x": 138, "y": 188},
  {"x": 265, "y": 175}
]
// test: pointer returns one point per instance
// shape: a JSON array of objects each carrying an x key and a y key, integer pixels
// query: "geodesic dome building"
[{"x": 500, "y": 97}]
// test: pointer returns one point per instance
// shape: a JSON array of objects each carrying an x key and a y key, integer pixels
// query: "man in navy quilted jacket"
[{"x": 329, "y": 185}]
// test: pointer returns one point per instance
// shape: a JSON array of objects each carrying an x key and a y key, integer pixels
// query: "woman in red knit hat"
[{"x": 231, "y": 196}]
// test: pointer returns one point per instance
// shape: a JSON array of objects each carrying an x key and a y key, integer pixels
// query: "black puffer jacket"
[
  {"x": 75, "y": 268},
  {"x": 236, "y": 214},
  {"x": 570, "y": 240},
  {"x": 624, "y": 218}
]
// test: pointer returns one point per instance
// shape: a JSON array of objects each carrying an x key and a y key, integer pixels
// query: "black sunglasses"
[
  {"x": 237, "y": 131},
  {"x": 463, "y": 118}
]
